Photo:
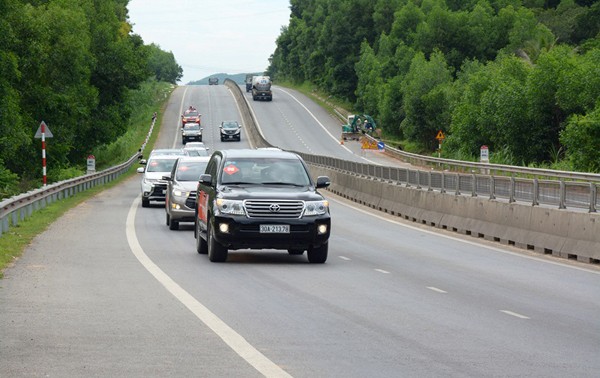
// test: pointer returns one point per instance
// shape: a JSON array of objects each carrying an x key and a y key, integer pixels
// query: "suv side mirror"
[
  {"x": 323, "y": 182},
  {"x": 205, "y": 179},
  {"x": 140, "y": 170},
  {"x": 167, "y": 178}
]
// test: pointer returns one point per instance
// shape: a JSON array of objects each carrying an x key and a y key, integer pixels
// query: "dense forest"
[
  {"x": 72, "y": 64},
  {"x": 521, "y": 76}
]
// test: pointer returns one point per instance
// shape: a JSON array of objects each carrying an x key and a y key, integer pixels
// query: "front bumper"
[
  {"x": 183, "y": 209},
  {"x": 154, "y": 192},
  {"x": 244, "y": 233}
]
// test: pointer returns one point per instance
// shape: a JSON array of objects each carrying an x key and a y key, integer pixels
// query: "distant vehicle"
[
  {"x": 195, "y": 149},
  {"x": 249, "y": 82},
  {"x": 359, "y": 125},
  {"x": 190, "y": 115},
  {"x": 153, "y": 185},
  {"x": 167, "y": 151},
  {"x": 230, "y": 130},
  {"x": 181, "y": 190},
  {"x": 261, "y": 88},
  {"x": 191, "y": 131},
  {"x": 261, "y": 199},
  {"x": 213, "y": 81}
]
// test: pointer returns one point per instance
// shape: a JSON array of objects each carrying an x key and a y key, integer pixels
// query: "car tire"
[
  {"x": 183, "y": 142},
  {"x": 295, "y": 251},
  {"x": 318, "y": 255},
  {"x": 173, "y": 225},
  {"x": 200, "y": 140},
  {"x": 145, "y": 202},
  {"x": 168, "y": 219},
  {"x": 216, "y": 251},
  {"x": 201, "y": 245}
]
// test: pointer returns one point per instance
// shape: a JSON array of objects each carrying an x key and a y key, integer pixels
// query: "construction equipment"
[{"x": 357, "y": 126}]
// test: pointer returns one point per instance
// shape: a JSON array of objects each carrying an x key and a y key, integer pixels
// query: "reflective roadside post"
[{"x": 42, "y": 133}]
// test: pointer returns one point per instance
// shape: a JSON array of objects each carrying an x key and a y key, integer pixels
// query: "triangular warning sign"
[
  {"x": 440, "y": 135},
  {"x": 47, "y": 132}
]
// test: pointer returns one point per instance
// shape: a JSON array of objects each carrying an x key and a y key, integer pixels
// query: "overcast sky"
[{"x": 212, "y": 36}]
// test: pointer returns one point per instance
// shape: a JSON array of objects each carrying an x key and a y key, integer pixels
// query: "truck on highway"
[
  {"x": 249, "y": 82},
  {"x": 261, "y": 88}
]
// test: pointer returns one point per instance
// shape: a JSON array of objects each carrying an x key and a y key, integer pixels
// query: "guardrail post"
[
  {"x": 443, "y": 183},
  {"x": 474, "y": 186},
  {"x": 492, "y": 187},
  {"x": 593, "y": 196},
  {"x": 562, "y": 195},
  {"x": 457, "y": 184},
  {"x": 429, "y": 188},
  {"x": 418, "y": 180},
  {"x": 511, "y": 191},
  {"x": 536, "y": 192}
]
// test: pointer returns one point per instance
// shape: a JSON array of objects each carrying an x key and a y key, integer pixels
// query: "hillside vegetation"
[
  {"x": 522, "y": 77},
  {"x": 77, "y": 66}
]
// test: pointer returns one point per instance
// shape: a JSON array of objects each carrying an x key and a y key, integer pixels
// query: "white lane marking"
[
  {"x": 322, "y": 126},
  {"x": 437, "y": 290},
  {"x": 345, "y": 258},
  {"x": 234, "y": 340},
  {"x": 382, "y": 271},
  {"x": 515, "y": 314},
  {"x": 178, "y": 119},
  {"x": 462, "y": 240}
]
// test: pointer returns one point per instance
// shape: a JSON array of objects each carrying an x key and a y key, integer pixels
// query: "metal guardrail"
[
  {"x": 17, "y": 208},
  {"x": 582, "y": 193}
]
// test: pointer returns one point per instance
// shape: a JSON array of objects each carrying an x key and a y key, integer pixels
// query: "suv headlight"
[
  {"x": 179, "y": 192},
  {"x": 233, "y": 207},
  {"x": 316, "y": 207}
]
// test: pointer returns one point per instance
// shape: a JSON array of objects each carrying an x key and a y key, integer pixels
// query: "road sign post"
[
  {"x": 440, "y": 138},
  {"x": 42, "y": 133},
  {"x": 91, "y": 164}
]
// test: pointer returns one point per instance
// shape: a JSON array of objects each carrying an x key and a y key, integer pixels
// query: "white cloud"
[{"x": 212, "y": 36}]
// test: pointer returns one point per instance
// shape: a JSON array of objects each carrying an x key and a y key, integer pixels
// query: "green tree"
[
  {"x": 163, "y": 65},
  {"x": 581, "y": 138},
  {"x": 427, "y": 93}
]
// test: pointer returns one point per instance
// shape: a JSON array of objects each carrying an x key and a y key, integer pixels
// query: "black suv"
[{"x": 261, "y": 199}]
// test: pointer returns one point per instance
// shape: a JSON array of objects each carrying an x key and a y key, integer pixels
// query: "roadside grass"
[{"x": 149, "y": 99}]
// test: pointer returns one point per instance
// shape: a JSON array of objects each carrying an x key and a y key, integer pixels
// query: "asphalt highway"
[{"x": 109, "y": 290}]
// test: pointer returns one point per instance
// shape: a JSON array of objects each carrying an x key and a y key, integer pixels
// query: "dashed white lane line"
[
  {"x": 382, "y": 271},
  {"x": 234, "y": 340},
  {"x": 437, "y": 290},
  {"x": 345, "y": 258},
  {"x": 515, "y": 314}
]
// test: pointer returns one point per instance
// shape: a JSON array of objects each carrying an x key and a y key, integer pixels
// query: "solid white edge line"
[
  {"x": 179, "y": 120},
  {"x": 345, "y": 258},
  {"x": 382, "y": 271},
  {"x": 515, "y": 314},
  {"x": 462, "y": 240},
  {"x": 234, "y": 340}
]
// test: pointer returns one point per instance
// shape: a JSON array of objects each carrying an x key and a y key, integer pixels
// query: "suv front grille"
[
  {"x": 191, "y": 200},
  {"x": 274, "y": 209}
]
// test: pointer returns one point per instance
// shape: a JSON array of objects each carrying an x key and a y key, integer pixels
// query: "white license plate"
[{"x": 274, "y": 228}]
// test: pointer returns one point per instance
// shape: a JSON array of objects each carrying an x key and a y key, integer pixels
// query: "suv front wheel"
[
  {"x": 216, "y": 251},
  {"x": 318, "y": 255}
]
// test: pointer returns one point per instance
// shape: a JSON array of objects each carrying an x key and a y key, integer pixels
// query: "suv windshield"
[
  {"x": 230, "y": 125},
  {"x": 190, "y": 171},
  {"x": 265, "y": 171},
  {"x": 191, "y": 126},
  {"x": 160, "y": 165}
]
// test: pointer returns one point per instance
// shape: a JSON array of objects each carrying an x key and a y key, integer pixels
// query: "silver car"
[{"x": 181, "y": 189}]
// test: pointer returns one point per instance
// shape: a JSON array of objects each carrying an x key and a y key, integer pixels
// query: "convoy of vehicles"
[
  {"x": 213, "y": 81},
  {"x": 180, "y": 201},
  {"x": 230, "y": 130},
  {"x": 191, "y": 131},
  {"x": 261, "y": 88},
  {"x": 261, "y": 199}
]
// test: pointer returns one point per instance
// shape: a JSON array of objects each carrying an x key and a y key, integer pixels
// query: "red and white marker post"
[{"x": 43, "y": 132}]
